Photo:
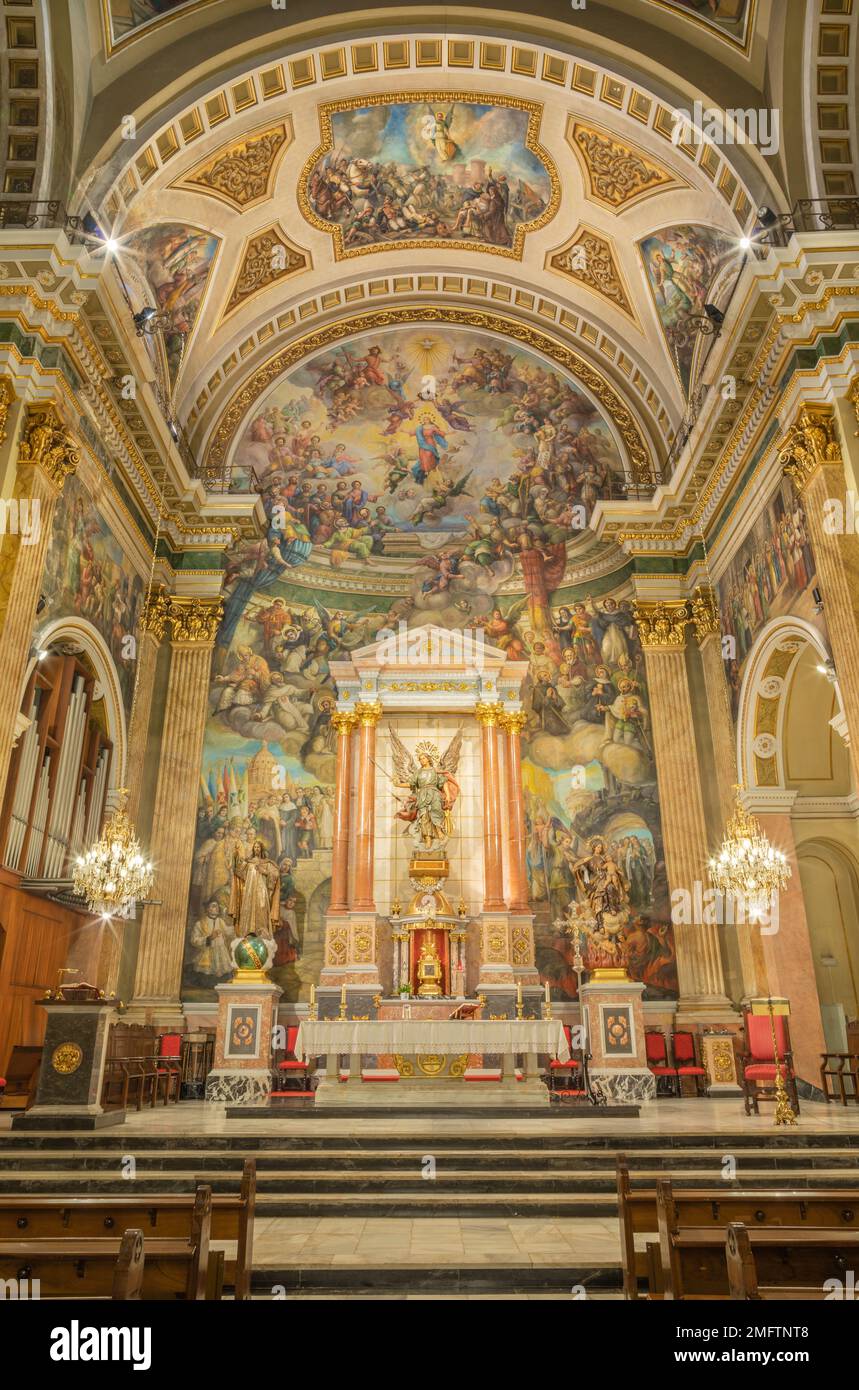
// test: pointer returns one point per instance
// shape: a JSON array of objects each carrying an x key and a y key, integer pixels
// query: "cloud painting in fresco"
[{"x": 444, "y": 170}]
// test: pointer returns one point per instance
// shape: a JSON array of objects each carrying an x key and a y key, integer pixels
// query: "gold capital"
[
  {"x": 705, "y": 612},
  {"x": 45, "y": 443},
  {"x": 487, "y": 714},
  {"x": 368, "y": 714},
  {"x": 194, "y": 619},
  {"x": 662, "y": 625},
  {"x": 513, "y": 721},
  {"x": 810, "y": 444},
  {"x": 854, "y": 399},
  {"x": 154, "y": 614},
  {"x": 344, "y": 721}
]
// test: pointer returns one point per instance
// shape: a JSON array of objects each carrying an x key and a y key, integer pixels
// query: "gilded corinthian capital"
[
  {"x": 194, "y": 619},
  {"x": 368, "y": 713},
  {"x": 810, "y": 444},
  {"x": 46, "y": 444},
  {"x": 344, "y": 720},
  {"x": 489, "y": 714},
  {"x": 662, "y": 626},
  {"x": 155, "y": 612},
  {"x": 705, "y": 612},
  {"x": 513, "y": 721}
]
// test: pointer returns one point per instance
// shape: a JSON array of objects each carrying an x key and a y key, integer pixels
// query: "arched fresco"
[{"x": 430, "y": 474}]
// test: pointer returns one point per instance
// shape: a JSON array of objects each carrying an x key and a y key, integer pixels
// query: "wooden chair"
[
  {"x": 758, "y": 1066},
  {"x": 656, "y": 1050},
  {"x": 168, "y": 1064},
  {"x": 84, "y": 1266},
  {"x": 835, "y": 1208},
  {"x": 564, "y": 1071},
  {"x": 167, "y": 1216},
  {"x": 290, "y": 1068},
  {"x": 22, "y": 1076},
  {"x": 131, "y": 1067},
  {"x": 839, "y": 1067},
  {"x": 686, "y": 1061},
  {"x": 693, "y": 1259}
]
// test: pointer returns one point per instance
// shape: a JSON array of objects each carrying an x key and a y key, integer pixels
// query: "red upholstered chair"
[
  {"x": 291, "y": 1069},
  {"x": 686, "y": 1060},
  {"x": 758, "y": 1068},
  {"x": 168, "y": 1066},
  {"x": 656, "y": 1050},
  {"x": 564, "y": 1071}
]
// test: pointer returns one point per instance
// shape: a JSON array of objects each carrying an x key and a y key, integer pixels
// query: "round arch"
[
  {"x": 81, "y": 633},
  {"x": 764, "y": 699}
]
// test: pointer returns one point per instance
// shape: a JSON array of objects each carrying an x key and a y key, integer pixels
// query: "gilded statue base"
[
  {"x": 610, "y": 972},
  {"x": 428, "y": 868}
]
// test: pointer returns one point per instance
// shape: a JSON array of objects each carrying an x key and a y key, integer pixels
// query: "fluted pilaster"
[
  {"x": 365, "y": 808},
  {"x": 344, "y": 722},
  {"x": 662, "y": 628},
  {"x": 46, "y": 457},
  {"x": 194, "y": 623},
  {"x": 493, "y": 887},
  {"x": 811, "y": 455}
]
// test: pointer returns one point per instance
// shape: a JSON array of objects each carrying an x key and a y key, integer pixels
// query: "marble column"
[
  {"x": 811, "y": 455},
  {"x": 365, "y": 807},
  {"x": 344, "y": 722},
  {"x": 662, "y": 629},
  {"x": 493, "y": 890},
  {"x": 194, "y": 623},
  {"x": 46, "y": 457},
  {"x": 512, "y": 724},
  {"x": 788, "y": 956}
]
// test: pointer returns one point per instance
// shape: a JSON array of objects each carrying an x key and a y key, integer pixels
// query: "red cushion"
[
  {"x": 291, "y": 1035},
  {"x": 684, "y": 1047},
  {"x": 691, "y": 1071},
  {"x": 565, "y": 1065},
  {"x": 654, "y": 1046},
  {"x": 292, "y": 1065},
  {"x": 170, "y": 1045},
  {"x": 761, "y": 1038},
  {"x": 2, "y": 1081},
  {"x": 762, "y": 1071},
  {"x": 662, "y": 1071},
  {"x": 379, "y": 1078}
]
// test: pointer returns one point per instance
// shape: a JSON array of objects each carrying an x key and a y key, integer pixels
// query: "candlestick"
[
  {"x": 312, "y": 995},
  {"x": 548, "y": 993},
  {"x": 342, "y": 994}
]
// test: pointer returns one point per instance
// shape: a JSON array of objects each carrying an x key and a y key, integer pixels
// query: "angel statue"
[{"x": 432, "y": 786}]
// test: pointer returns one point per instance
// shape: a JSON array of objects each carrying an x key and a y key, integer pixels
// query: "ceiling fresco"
[
  {"x": 683, "y": 264},
  {"x": 444, "y": 168}
]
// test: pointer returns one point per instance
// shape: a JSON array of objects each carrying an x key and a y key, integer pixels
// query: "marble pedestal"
[
  {"x": 72, "y": 1074},
  {"x": 719, "y": 1061},
  {"x": 615, "y": 1029},
  {"x": 247, "y": 1013}
]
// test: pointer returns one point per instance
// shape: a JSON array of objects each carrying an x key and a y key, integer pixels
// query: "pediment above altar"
[{"x": 405, "y": 666}]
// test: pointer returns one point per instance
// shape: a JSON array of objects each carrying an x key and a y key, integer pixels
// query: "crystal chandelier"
[
  {"x": 114, "y": 872},
  {"x": 747, "y": 866}
]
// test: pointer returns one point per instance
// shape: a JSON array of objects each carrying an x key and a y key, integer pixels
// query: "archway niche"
[{"x": 795, "y": 768}]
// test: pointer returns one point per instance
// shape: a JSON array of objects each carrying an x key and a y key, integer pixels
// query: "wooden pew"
[
  {"x": 167, "y": 1216},
  {"x": 743, "y": 1274},
  {"x": 76, "y": 1266},
  {"x": 695, "y": 1265},
  {"x": 717, "y": 1206}
]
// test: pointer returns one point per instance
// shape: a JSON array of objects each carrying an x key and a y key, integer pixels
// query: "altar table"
[{"x": 422, "y": 1048}]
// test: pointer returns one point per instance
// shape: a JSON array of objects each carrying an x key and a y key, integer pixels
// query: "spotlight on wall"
[
  {"x": 174, "y": 430},
  {"x": 827, "y": 669},
  {"x": 745, "y": 243},
  {"x": 714, "y": 315},
  {"x": 818, "y": 599},
  {"x": 145, "y": 320}
]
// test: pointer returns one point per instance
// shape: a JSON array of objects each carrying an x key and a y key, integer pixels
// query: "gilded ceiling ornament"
[
  {"x": 241, "y": 173},
  {"x": 7, "y": 396},
  {"x": 46, "y": 444},
  {"x": 589, "y": 258},
  {"x": 640, "y": 465},
  {"x": 268, "y": 256},
  {"x": 705, "y": 613},
  {"x": 336, "y": 177},
  {"x": 617, "y": 175},
  {"x": 810, "y": 443},
  {"x": 662, "y": 625}
]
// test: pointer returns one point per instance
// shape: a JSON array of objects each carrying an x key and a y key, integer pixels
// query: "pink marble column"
[
  {"x": 512, "y": 725},
  {"x": 493, "y": 900},
  {"x": 344, "y": 722},
  {"x": 365, "y": 806}
]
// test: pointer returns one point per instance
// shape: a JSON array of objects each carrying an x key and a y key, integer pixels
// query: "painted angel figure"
[
  {"x": 433, "y": 788},
  {"x": 436, "y": 131}
]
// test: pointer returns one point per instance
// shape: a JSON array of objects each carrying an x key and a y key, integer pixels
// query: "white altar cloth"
[{"x": 531, "y": 1036}]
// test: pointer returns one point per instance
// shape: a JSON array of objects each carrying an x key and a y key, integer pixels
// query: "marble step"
[
  {"x": 410, "y": 1137},
  {"x": 482, "y": 1277},
  {"x": 340, "y": 1161}
]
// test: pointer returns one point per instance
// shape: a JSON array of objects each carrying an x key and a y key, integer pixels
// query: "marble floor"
[{"x": 661, "y": 1117}]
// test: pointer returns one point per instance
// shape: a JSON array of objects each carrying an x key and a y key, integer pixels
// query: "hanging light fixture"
[
  {"x": 114, "y": 872},
  {"x": 747, "y": 866}
]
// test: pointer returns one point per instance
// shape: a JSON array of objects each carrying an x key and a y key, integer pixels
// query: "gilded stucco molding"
[
  {"x": 810, "y": 444},
  {"x": 46, "y": 444},
  {"x": 662, "y": 625}
]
